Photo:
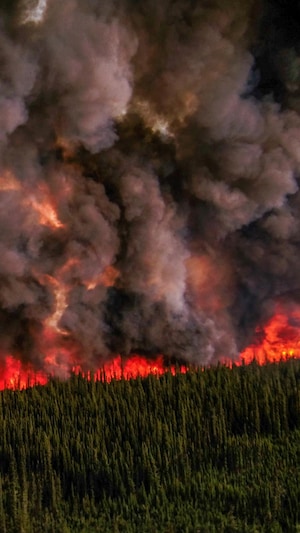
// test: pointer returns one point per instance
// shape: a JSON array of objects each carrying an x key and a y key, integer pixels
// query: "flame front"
[
  {"x": 278, "y": 340},
  {"x": 16, "y": 375}
]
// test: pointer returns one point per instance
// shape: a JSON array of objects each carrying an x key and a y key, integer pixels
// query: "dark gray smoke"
[{"x": 149, "y": 185}]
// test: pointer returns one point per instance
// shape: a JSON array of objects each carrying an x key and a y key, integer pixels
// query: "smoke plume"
[{"x": 149, "y": 177}]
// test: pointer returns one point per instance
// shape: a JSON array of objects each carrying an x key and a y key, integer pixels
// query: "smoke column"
[{"x": 149, "y": 177}]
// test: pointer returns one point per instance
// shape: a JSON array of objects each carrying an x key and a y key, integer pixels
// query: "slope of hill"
[{"x": 212, "y": 450}]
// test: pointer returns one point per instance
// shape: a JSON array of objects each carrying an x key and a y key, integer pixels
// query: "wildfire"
[
  {"x": 18, "y": 375},
  {"x": 136, "y": 366},
  {"x": 278, "y": 340}
]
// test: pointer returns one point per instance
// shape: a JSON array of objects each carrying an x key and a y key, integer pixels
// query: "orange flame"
[
  {"x": 17, "y": 375},
  {"x": 278, "y": 340},
  {"x": 135, "y": 366}
]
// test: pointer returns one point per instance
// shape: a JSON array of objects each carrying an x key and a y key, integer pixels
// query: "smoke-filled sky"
[{"x": 149, "y": 184}]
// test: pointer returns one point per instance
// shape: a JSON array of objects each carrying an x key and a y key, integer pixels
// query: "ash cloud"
[{"x": 149, "y": 176}]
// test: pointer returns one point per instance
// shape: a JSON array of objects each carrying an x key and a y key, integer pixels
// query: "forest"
[{"x": 209, "y": 451}]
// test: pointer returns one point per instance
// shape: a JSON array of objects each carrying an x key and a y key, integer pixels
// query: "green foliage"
[{"x": 213, "y": 450}]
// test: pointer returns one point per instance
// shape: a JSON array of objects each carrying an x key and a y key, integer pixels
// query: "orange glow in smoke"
[
  {"x": 47, "y": 213},
  {"x": 8, "y": 182},
  {"x": 40, "y": 202},
  {"x": 278, "y": 340},
  {"x": 106, "y": 278}
]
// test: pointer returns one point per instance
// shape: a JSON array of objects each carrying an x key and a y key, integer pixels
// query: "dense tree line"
[{"x": 212, "y": 450}]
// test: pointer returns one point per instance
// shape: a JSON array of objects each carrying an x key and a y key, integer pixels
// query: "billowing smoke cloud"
[{"x": 149, "y": 176}]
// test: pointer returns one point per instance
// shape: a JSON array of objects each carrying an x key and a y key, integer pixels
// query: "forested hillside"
[{"x": 212, "y": 450}]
